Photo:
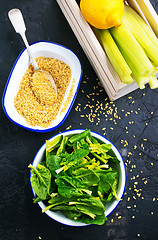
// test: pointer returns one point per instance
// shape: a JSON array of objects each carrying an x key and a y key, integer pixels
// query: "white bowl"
[
  {"x": 110, "y": 206},
  {"x": 45, "y": 49}
]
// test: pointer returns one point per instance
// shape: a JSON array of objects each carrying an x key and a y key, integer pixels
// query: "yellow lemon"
[{"x": 102, "y": 14}]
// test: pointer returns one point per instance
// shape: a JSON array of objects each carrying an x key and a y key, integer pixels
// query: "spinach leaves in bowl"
[{"x": 77, "y": 176}]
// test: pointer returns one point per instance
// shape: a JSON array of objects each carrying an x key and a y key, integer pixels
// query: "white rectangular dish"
[
  {"x": 94, "y": 51},
  {"x": 45, "y": 49}
]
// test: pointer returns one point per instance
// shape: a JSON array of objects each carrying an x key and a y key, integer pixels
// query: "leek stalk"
[
  {"x": 127, "y": 43},
  {"x": 132, "y": 22},
  {"x": 141, "y": 80},
  {"x": 114, "y": 55},
  {"x": 153, "y": 82},
  {"x": 135, "y": 16}
]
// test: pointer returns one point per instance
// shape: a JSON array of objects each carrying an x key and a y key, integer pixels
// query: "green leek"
[
  {"x": 132, "y": 22},
  {"x": 153, "y": 82},
  {"x": 127, "y": 43},
  {"x": 141, "y": 80},
  {"x": 114, "y": 55},
  {"x": 132, "y": 48},
  {"x": 131, "y": 13}
]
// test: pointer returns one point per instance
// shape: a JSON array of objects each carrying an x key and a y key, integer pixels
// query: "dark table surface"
[{"x": 134, "y": 133}]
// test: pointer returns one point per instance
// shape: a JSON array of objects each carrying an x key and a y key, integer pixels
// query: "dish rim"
[{"x": 72, "y": 101}]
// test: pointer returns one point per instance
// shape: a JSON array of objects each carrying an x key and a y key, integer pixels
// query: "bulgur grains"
[
  {"x": 26, "y": 102},
  {"x": 43, "y": 89},
  {"x": 69, "y": 98}
]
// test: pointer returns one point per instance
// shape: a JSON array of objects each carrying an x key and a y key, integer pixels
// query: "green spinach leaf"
[
  {"x": 108, "y": 181},
  {"x": 87, "y": 176},
  {"x": 40, "y": 181},
  {"x": 69, "y": 186},
  {"x": 99, "y": 220},
  {"x": 78, "y": 137},
  {"x": 62, "y": 146},
  {"x": 52, "y": 144},
  {"x": 53, "y": 163}
]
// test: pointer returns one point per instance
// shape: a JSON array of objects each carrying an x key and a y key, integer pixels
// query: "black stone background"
[{"x": 19, "y": 217}]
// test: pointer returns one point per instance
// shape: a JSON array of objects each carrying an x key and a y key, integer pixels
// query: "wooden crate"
[{"x": 93, "y": 49}]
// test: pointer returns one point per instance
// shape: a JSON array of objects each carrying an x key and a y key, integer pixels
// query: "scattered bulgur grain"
[
  {"x": 68, "y": 127},
  {"x": 128, "y": 199}
]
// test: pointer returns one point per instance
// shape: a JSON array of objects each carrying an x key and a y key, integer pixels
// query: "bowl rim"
[
  {"x": 72, "y": 101},
  {"x": 115, "y": 150}
]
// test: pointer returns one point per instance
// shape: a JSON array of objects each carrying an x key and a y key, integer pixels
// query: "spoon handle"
[{"x": 17, "y": 21}]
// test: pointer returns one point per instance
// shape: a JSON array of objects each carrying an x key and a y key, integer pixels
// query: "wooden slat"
[{"x": 125, "y": 90}]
